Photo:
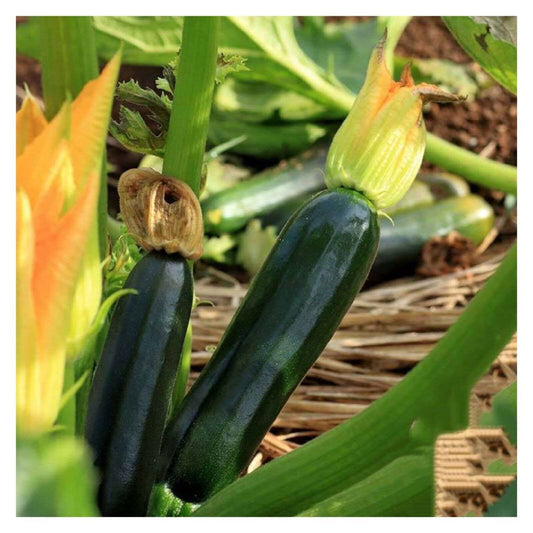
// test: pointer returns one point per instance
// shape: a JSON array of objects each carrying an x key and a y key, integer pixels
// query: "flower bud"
[{"x": 379, "y": 147}]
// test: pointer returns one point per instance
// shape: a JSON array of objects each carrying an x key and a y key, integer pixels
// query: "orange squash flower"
[{"x": 58, "y": 178}]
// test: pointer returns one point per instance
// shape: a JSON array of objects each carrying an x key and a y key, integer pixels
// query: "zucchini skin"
[
  {"x": 294, "y": 305},
  {"x": 418, "y": 195},
  {"x": 400, "y": 244},
  {"x": 230, "y": 210},
  {"x": 444, "y": 184},
  {"x": 133, "y": 381}
]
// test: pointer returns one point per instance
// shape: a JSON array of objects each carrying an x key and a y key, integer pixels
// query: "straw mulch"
[{"x": 389, "y": 328}]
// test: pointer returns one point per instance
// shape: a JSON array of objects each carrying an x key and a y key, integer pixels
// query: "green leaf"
[
  {"x": 125, "y": 254},
  {"x": 273, "y": 55},
  {"x": 134, "y": 134},
  {"x": 227, "y": 65},
  {"x": 449, "y": 76},
  {"x": 342, "y": 50},
  {"x": 491, "y": 41},
  {"x": 404, "y": 487},
  {"x": 506, "y": 505},
  {"x": 132, "y": 129},
  {"x": 55, "y": 478},
  {"x": 432, "y": 399},
  {"x": 221, "y": 175},
  {"x": 259, "y": 102},
  {"x": 147, "y": 40},
  {"x": 255, "y": 244},
  {"x": 504, "y": 412},
  {"x": 499, "y": 468},
  {"x": 216, "y": 248}
]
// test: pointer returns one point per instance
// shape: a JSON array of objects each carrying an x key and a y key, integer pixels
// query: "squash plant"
[{"x": 144, "y": 438}]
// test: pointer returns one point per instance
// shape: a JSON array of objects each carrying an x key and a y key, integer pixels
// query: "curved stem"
[{"x": 473, "y": 167}]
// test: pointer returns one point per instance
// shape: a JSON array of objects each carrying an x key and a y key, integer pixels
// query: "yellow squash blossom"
[
  {"x": 379, "y": 147},
  {"x": 58, "y": 178}
]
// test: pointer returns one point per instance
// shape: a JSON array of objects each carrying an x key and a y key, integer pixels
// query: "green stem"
[
  {"x": 67, "y": 415},
  {"x": 431, "y": 400},
  {"x": 114, "y": 228},
  {"x": 187, "y": 131},
  {"x": 189, "y": 119},
  {"x": 180, "y": 385},
  {"x": 394, "y": 27},
  {"x": 69, "y": 60},
  {"x": 471, "y": 166}
]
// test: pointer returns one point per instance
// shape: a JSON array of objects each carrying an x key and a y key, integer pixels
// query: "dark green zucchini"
[
  {"x": 403, "y": 239},
  {"x": 294, "y": 305},
  {"x": 288, "y": 184},
  {"x": 418, "y": 195},
  {"x": 133, "y": 381}
]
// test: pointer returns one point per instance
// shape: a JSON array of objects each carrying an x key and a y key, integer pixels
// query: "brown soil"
[{"x": 487, "y": 123}]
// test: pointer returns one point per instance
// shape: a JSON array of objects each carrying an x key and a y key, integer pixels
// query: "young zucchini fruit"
[
  {"x": 317, "y": 266},
  {"x": 291, "y": 184},
  {"x": 444, "y": 185},
  {"x": 133, "y": 381},
  {"x": 402, "y": 240}
]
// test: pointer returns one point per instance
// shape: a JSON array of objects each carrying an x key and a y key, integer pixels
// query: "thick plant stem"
[
  {"x": 432, "y": 399},
  {"x": 187, "y": 131},
  {"x": 68, "y": 59},
  {"x": 189, "y": 119}
]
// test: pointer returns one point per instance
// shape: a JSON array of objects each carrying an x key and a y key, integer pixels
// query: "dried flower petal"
[{"x": 161, "y": 212}]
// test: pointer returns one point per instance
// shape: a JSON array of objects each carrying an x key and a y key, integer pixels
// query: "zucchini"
[
  {"x": 294, "y": 305},
  {"x": 133, "y": 381},
  {"x": 288, "y": 184},
  {"x": 444, "y": 184},
  {"x": 418, "y": 195},
  {"x": 403, "y": 239}
]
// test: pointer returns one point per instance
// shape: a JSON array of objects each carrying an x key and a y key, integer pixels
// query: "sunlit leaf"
[
  {"x": 491, "y": 41},
  {"x": 55, "y": 478},
  {"x": 506, "y": 505}
]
